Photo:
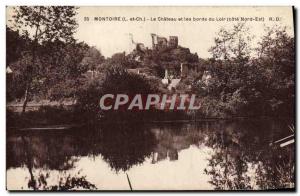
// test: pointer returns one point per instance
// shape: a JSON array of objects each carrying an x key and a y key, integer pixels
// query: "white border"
[{"x": 4, "y": 3}]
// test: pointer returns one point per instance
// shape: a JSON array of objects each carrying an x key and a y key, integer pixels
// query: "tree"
[
  {"x": 249, "y": 85},
  {"x": 231, "y": 71},
  {"x": 63, "y": 69},
  {"x": 43, "y": 24},
  {"x": 16, "y": 43},
  {"x": 113, "y": 80},
  {"x": 15, "y": 52},
  {"x": 93, "y": 58},
  {"x": 276, "y": 57},
  {"x": 237, "y": 86},
  {"x": 232, "y": 43}
]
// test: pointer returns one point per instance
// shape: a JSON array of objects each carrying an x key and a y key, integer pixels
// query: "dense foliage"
[{"x": 250, "y": 85}]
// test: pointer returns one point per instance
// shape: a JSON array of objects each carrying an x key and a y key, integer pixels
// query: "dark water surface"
[{"x": 199, "y": 156}]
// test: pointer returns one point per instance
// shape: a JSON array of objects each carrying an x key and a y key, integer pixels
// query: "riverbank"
[
  {"x": 55, "y": 115},
  {"x": 36, "y": 105}
]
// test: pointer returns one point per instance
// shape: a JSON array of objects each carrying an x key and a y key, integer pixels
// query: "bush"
[{"x": 116, "y": 80}]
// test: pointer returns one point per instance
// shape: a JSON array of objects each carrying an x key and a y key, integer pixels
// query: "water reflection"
[
  {"x": 207, "y": 155},
  {"x": 125, "y": 145}
]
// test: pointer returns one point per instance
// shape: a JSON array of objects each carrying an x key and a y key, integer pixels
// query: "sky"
[{"x": 113, "y": 36}]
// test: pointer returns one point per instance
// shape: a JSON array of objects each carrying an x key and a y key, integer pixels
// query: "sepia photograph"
[{"x": 150, "y": 98}]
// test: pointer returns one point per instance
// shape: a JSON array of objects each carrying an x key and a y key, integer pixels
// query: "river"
[{"x": 208, "y": 155}]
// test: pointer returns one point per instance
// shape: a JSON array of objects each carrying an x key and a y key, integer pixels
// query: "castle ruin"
[{"x": 161, "y": 43}]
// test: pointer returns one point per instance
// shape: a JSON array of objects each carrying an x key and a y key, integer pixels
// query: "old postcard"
[{"x": 150, "y": 98}]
